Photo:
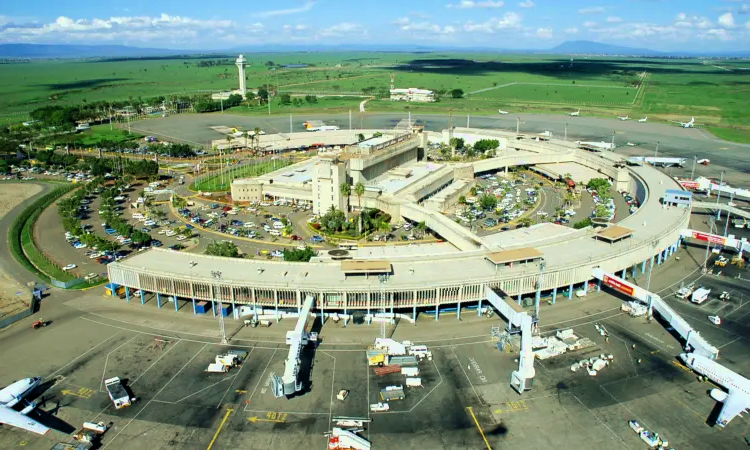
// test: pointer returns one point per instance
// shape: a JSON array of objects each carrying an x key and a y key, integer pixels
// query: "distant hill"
[
  {"x": 80, "y": 51},
  {"x": 598, "y": 48}
]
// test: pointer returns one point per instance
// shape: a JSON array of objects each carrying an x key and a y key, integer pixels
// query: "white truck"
[
  {"x": 414, "y": 382},
  {"x": 379, "y": 407},
  {"x": 117, "y": 392},
  {"x": 700, "y": 295},
  {"x": 410, "y": 371}
]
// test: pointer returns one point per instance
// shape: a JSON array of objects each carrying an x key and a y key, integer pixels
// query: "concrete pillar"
[
  {"x": 458, "y": 311},
  {"x": 213, "y": 307},
  {"x": 652, "y": 262},
  {"x": 570, "y": 292},
  {"x": 634, "y": 269},
  {"x": 624, "y": 274},
  {"x": 176, "y": 308},
  {"x": 599, "y": 286},
  {"x": 643, "y": 267},
  {"x": 658, "y": 258},
  {"x": 479, "y": 308},
  {"x": 234, "y": 309},
  {"x": 158, "y": 300},
  {"x": 143, "y": 299},
  {"x": 437, "y": 311},
  {"x": 537, "y": 297},
  {"x": 554, "y": 295},
  {"x": 414, "y": 314},
  {"x": 666, "y": 254},
  {"x": 127, "y": 295},
  {"x": 519, "y": 298},
  {"x": 194, "y": 311}
]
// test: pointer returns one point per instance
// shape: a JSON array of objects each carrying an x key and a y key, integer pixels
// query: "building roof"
[
  {"x": 614, "y": 233},
  {"x": 366, "y": 266},
  {"x": 515, "y": 255},
  {"x": 678, "y": 192},
  {"x": 411, "y": 91}
]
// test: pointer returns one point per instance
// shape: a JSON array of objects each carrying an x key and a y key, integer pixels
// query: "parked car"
[
  {"x": 316, "y": 239},
  {"x": 69, "y": 267}
]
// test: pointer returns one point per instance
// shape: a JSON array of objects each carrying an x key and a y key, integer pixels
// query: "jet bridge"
[
  {"x": 522, "y": 379},
  {"x": 728, "y": 242},
  {"x": 693, "y": 339},
  {"x": 297, "y": 339}
]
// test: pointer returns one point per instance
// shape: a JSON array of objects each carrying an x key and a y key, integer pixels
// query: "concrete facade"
[{"x": 329, "y": 174}]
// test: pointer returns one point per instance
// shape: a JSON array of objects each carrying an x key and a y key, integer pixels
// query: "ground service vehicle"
[
  {"x": 700, "y": 295},
  {"x": 117, "y": 392},
  {"x": 379, "y": 407},
  {"x": 391, "y": 393}
]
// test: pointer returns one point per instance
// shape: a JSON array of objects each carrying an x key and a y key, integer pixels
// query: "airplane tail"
[
  {"x": 692, "y": 119},
  {"x": 306, "y": 125}
]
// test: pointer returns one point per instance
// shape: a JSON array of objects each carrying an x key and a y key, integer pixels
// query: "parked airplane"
[
  {"x": 575, "y": 114},
  {"x": 737, "y": 398},
  {"x": 623, "y": 118},
  {"x": 704, "y": 161},
  {"x": 310, "y": 127},
  {"x": 690, "y": 124},
  {"x": 14, "y": 394},
  {"x": 643, "y": 120},
  {"x": 502, "y": 112}
]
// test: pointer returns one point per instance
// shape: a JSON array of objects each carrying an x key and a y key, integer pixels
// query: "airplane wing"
[
  {"x": 14, "y": 418},
  {"x": 734, "y": 405}
]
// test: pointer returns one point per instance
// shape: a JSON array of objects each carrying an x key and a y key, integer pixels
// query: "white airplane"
[
  {"x": 737, "y": 398},
  {"x": 623, "y": 118},
  {"x": 310, "y": 127},
  {"x": 14, "y": 394},
  {"x": 575, "y": 114},
  {"x": 502, "y": 112},
  {"x": 690, "y": 124},
  {"x": 643, "y": 120}
]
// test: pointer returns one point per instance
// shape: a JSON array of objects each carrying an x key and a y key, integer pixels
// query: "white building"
[
  {"x": 412, "y": 95},
  {"x": 330, "y": 173}
]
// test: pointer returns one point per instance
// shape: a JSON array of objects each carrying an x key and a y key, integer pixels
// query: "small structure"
[
  {"x": 614, "y": 234},
  {"x": 509, "y": 257},
  {"x": 412, "y": 95},
  {"x": 679, "y": 198},
  {"x": 367, "y": 267}
]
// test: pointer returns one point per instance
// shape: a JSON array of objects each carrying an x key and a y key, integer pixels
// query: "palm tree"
[
  {"x": 359, "y": 189},
  {"x": 421, "y": 227},
  {"x": 257, "y": 136},
  {"x": 385, "y": 227},
  {"x": 346, "y": 191},
  {"x": 230, "y": 138}
]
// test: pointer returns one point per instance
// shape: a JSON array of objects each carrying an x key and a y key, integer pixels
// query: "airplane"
[
  {"x": 623, "y": 118},
  {"x": 14, "y": 394},
  {"x": 704, "y": 162},
  {"x": 643, "y": 120},
  {"x": 632, "y": 144},
  {"x": 310, "y": 127},
  {"x": 575, "y": 114},
  {"x": 690, "y": 124},
  {"x": 737, "y": 398},
  {"x": 502, "y": 112}
]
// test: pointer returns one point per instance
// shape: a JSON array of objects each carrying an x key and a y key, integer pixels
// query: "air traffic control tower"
[{"x": 241, "y": 63}]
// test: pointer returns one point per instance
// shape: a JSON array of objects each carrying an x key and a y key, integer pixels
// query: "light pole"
[
  {"x": 692, "y": 173},
  {"x": 518, "y": 124},
  {"x": 729, "y": 214},
  {"x": 708, "y": 242},
  {"x": 217, "y": 276},
  {"x": 566, "y": 133},
  {"x": 718, "y": 196},
  {"x": 656, "y": 152},
  {"x": 651, "y": 264}
]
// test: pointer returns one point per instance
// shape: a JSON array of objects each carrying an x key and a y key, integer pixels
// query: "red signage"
[
  {"x": 708, "y": 237},
  {"x": 690, "y": 184},
  {"x": 618, "y": 285}
]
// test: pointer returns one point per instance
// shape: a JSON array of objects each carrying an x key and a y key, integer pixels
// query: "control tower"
[{"x": 241, "y": 63}]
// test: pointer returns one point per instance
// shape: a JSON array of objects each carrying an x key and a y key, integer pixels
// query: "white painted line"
[
  {"x": 730, "y": 342},
  {"x": 289, "y": 412},
  {"x": 106, "y": 360},
  {"x": 600, "y": 421},
  {"x": 630, "y": 356},
  {"x": 82, "y": 354},
  {"x": 333, "y": 379},
  {"x": 157, "y": 394},
  {"x": 422, "y": 399},
  {"x": 154, "y": 363},
  {"x": 467, "y": 377},
  {"x": 262, "y": 376},
  {"x": 207, "y": 387}
]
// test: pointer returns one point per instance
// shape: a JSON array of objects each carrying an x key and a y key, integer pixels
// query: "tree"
[
  {"x": 462, "y": 200},
  {"x": 484, "y": 145},
  {"x": 140, "y": 238},
  {"x": 346, "y": 191},
  {"x": 285, "y": 99},
  {"x": 384, "y": 227},
  {"x": 360, "y": 137},
  {"x": 298, "y": 255},
  {"x": 473, "y": 191},
  {"x": 596, "y": 184},
  {"x": 582, "y": 224},
  {"x": 359, "y": 189},
  {"x": 457, "y": 143},
  {"x": 457, "y": 93},
  {"x": 226, "y": 249},
  {"x": 601, "y": 211},
  {"x": 488, "y": 202},
  {"x": 421, "y": 228}
]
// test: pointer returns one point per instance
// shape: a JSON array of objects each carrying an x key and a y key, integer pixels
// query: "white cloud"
[
  {"x": 526, "y": 4},
  {"x": 423, "y": 28},
  {"x": 717, "y": 33},
  {"x": 744, "y": 9},
  {"x": 344, "y": 28},
  {"x": 589, "y": 24},
  {"x": 613, "y": 19},
  {"x": 682, "y": 20},
  {"x": 591, "y": 10},
  {"x": 544, "y": 33},
  {"x": 469, "y": 4},
  {"x": 419, "y": 15},
  {"x": 307, "y": 6},
  {"x": 726, "y": 20},
  {"x": 509, "y": 21},
  {"x": 747, "y": 24},
  {"x": 572, "y": 30}
]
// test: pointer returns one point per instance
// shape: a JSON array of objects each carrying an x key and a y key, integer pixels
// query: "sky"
[{"x": 668, "y": 25}]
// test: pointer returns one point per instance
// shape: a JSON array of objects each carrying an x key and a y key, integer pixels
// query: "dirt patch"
[{"x": 13, "y": 295}]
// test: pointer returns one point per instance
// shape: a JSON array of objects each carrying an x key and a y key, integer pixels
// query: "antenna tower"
[{"x": 392, "y": 84}]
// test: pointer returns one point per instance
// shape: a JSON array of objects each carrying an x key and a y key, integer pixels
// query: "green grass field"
[
  {"x": 713, "y": 92},
  {"x": 98, "y": 133},
  {"x": 215, "y": 182}
]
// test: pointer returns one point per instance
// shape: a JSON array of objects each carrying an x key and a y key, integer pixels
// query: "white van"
[
  {"x": 278, "y": 225},
  {"x": 418, "y": 350},
  {"x": 274, "y": 233},
  {"x": 138, "y": 216}
]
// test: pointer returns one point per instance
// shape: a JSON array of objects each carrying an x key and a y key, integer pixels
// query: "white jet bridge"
[
  {"x": 729, "y": 242},
  {"x": 658, "y": 161},
  {"x": 693, "y": 339},
  {"x": 296, "y": 339},
  {"x": 522, "y": 379}
]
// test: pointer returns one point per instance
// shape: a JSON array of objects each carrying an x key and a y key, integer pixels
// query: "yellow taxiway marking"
[
  {"x": 240, "y": 391},
  {"x": 221, "y": 425},
  {"x": 484, "y": 438},
  {"x": 270, "y": 417},
  {"x": 513, "y": 406},
  {"x": 82, "y": 392}
]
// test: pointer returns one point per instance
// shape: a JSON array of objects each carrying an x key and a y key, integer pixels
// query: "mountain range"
[{"x": 46, "y": 51}]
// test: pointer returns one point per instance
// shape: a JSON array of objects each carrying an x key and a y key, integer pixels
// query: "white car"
[
  {"x": 90, "y": 276},
  {"x": 94, "y": 255},
  {"x": 69, "y": 267},
  {"x": 716, "y": 320},
  {"x": 149, "y": 223},
  {"x": 379, "y": 407},
  {"x": 249, "y": 225},
  {"x": 181, "y": 238},
  {"x": 119, "y": 198},
  {"x": 274, "y": 233}
]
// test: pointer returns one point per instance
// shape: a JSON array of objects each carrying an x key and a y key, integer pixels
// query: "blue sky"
[{"x": 526, "y": 24}]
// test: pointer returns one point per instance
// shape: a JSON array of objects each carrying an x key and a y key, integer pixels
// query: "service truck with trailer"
[
  {"x": 391, "y": 393},
  {"x": 117, "y": 392}
]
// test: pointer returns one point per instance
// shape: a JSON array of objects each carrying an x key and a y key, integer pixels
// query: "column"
[
  {"x": 234, "y": 309},
  {"x": 176, "y": 308},
  {"x": 194, "y": 311},
  {"x": 127, "y": 294},
  {"x": 437, "y": 311},
  {"x": 599, "y": 286},
  {"x": 643, "y": 267},
  {"x": 213, "y": 307},
  {"x": 651, "y": 267},
  {"x": 369, "y": 298},
  {"x": 143, "y": 300},
  {"x": 276, "y": 305},
  {"x": 158, "y": 300},
  {"x": 570, "y": 292},
  {"x": 634, "y": 270},
  {"x": 479, "y": 308},
  {"x": 658, "y": 258},
  {"x": 537, "y": 297},
  {"x": 554, "y": 295},
  {"x": 414, "y": 314},
  {"x": 458, "y": 311},
  {"x": 519, "y": 298}
]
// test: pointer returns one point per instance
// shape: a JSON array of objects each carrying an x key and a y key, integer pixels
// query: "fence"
[
  {"x": 20, "y": 315},
  {"x": 66, "y": 284}
]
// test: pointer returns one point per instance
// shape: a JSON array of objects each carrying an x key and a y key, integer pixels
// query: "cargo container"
[
  {"x": 414, "y": 382},
  {"x": 201, "y": 307},
  {"x": 226, "y": 309}
]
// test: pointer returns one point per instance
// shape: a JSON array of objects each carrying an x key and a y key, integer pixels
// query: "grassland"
[
  {"x": 714, "y": 92},
  {"x": 221, "y": 181}
]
